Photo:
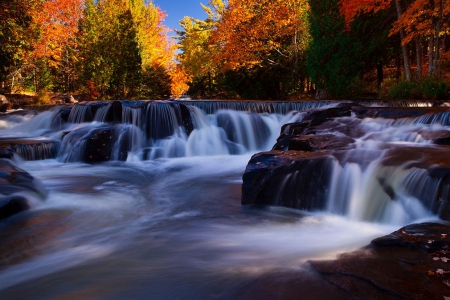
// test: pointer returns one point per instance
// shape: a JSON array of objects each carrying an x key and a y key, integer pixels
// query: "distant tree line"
[
  {"x": 104, "y": 49},
  {"x": 282, "y": 49},
  {"x": 243, "y": 49}
]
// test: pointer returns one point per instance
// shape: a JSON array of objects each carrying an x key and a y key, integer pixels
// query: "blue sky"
[{"x": 177, "y": 9}]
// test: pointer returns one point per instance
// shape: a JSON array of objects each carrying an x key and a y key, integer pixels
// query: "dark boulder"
[
  {"x": 14, "y": 180},
  {"x": 6, "y": 152},
  {"x": 291, "y": 179},
  {"x": 91, "y": 145},
  {"x": 17, "y": 187},
  {"x": 4, "y": 104},
  {"x": 411, "y": 263},
  {"x": 312, "y": 143},
  {"x": 12, "y": 205}
]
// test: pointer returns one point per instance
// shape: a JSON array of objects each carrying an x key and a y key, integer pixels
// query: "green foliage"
[
  {"x": 332, "y": 58},
  {"x": 337, "y": 56},
  {"x": 110, "y": 54},
  {"x": 428, "y": 88},
  {"x": 155, "y": 83}
]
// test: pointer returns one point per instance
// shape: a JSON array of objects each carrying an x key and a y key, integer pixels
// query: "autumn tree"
[
  {"x": 16, "y": 35},
  {"x": 55, "y": 50},
  {"x": 251, "y": 33},
  {"x": 254, "y": 44},
  {"x": 339, "y": 56},
  {"x": 124, "y": 50},
  {"x": 421, "y": 18},
  {"x": 179, "y": 81},
  {"x": 197, "y": 53}
]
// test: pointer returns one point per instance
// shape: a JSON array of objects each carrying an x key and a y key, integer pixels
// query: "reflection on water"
[{"x": 164, "y": 229}]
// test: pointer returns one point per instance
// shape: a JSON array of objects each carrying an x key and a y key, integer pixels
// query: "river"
[{"x": 169, "y": 227}]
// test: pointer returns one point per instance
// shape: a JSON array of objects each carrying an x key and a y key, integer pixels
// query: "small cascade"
[
  {"x": 128, "y": 138},
  {"x": 248, "y": 130},
  {"x": 80, "y": 114},
  {"x": 102, "y": 113},
  {"x": 37, "y": 151},
  {"x": 161, "y": 119},
  {"x": 393, "y": 195},
  {"x": 257, "y": 107}
]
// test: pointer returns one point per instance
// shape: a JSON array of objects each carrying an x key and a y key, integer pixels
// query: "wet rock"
[
  {"x": 411, "y": 263},
  {"x": 58, "y": 98},
  {"x": 15, "y": 180},
  {"x": 91, "y": 145},
  {"x": 4, "y": 104},
  {"x": 17, "y": 187},
  {"x": 6, "y": 153},
  {"x": 17, "y": 115},
  {"x": 292, "y": 179},
  {"x": 312, "y": 143},
  {"x": 393, "y": 112},
  {"x": 12, "y": 205},
  {"x": 186, "y": 119}
]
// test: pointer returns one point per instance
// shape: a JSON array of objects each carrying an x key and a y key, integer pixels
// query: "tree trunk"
[
  {"x": 430, "y": 55},
  {"x": 419, "y": 59},
  {"x": 209, "y": 85},
  {"x": 12, "y": 84},
  {"x": 404, "y": 47},
  {"x": 380, "y": 76}
]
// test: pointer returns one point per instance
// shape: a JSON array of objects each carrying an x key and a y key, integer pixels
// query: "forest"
[{"x": 242, "y": 49}]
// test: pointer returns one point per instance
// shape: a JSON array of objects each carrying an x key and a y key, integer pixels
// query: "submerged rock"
[
  {"x": 17, "y": 189},
  {"x": 12, "y": 205},
  {"x": 411, "y": 263}
]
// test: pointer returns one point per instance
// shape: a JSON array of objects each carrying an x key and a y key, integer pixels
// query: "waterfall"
[{"x": 373, "y": 179}]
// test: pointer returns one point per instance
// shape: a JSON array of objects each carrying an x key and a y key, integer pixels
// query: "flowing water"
[{"x": 166, "y": 221}]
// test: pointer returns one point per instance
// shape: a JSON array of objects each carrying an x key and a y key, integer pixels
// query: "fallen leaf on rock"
[
  {"x": 436, "y": 258},
  {"x": 444, "y": 259}
]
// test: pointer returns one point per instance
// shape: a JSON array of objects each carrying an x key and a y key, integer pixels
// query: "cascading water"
[{"x": 144, "y": 200}]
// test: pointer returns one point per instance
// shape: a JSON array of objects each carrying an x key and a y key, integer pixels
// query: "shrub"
[
  {"x": 43, "y": 98},
  {"x": 425, "y": 89},
  {"x": 432, "y": 89}
]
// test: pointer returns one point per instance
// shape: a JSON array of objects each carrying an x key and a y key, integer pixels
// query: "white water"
[{"x": 172, "y": 227}]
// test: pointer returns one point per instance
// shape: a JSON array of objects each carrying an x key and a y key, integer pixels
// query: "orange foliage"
[
  {"x": 421, "y": 17},
  {"x": 57, "y": 21},
  {"x": 179, "y": 81},
  {"x": 351, "y": 8},
  {"x": 251, "y": 30}
]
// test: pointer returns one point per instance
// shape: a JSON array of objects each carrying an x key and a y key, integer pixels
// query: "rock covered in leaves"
[{"x": 411, "y": 263}]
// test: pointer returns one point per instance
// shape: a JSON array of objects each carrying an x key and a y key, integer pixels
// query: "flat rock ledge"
[{"x": 410, "y": 263}]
